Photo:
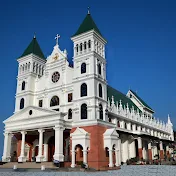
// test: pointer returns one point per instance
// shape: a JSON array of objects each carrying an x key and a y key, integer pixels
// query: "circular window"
[
  {"x": 55, "y": 77},
  {"x": 30, "y": 112}
]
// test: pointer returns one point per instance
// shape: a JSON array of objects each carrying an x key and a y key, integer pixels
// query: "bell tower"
[
  {"x": 89, "y": 79},
  {"x": 30, "y": 66}
]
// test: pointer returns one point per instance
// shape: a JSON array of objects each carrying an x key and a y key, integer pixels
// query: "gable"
[
  {"x": 141, "y": 101},
  {"x": 30, "y": 112},
  {"x": 57, "y": 55}
]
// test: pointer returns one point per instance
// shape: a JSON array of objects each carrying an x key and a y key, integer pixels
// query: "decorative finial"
[
  {"x": 57, "y": 39},
  {"x": 34, "y": 35},
  {"x": 88, "y": 10}
]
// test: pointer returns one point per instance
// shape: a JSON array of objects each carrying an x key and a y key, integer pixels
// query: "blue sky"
[{"x": 140, "y": 53}]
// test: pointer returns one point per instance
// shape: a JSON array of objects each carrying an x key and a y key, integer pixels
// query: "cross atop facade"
[{"x": 57, "y": 39}]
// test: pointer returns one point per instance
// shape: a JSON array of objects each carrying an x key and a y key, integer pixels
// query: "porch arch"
[
  {"x": 113, "y": 143},
  {"x": 80, "y": 137}
]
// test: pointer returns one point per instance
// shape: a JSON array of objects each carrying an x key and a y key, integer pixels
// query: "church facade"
[{"x": 68, "y": 112}]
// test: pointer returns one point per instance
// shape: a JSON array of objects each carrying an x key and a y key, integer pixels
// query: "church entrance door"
[{"x": 51, "y": 148}]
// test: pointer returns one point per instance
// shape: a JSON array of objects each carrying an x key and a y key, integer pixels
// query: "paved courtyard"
[{"x": 160, "y": 170}]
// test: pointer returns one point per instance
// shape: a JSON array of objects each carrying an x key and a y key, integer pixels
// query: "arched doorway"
[
  {"x": 51, "y": 148},
  {"x": 79, "y": 154}
]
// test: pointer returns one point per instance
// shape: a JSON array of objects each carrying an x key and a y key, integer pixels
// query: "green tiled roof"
[
  {"x": 33, "y": 48},
  {"x": 145, "y": 104},
  {"x": 87, "y": 25},
  {"x": 120, "y": 96}
]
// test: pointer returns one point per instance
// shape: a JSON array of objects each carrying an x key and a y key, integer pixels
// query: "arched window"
[
  {"x": 77, "y": 48},
  {"x": 99, "y": 69},
  {"x": 22, "y": 103},
  {"x": 83, "y": 111},
  {"x": 89, "y": 44},
  {"x": 23, "y": 85},
  {"x": 131, "y": 127},
  {"x": 83, "y": 90},
  {"x": 81, "y": 47},
  {"x": 54, "y": 101},
  {"x": 83, "y": 68},
  {"x": 101, "y": 111},
  {"x": 85, "y": 45},
  {"x": 26, "y": 67},
  {"x": 70, "y": 114},
  {"x": 118, "y": 124},
  {"x": 100, "y": 91}
]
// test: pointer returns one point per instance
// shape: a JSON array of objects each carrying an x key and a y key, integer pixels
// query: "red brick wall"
[
  {"x": 19, "y": 149},
  {"x": 96, "y": 155},
  {"x": 140, "y": 153},
  {"x": 161, "y": 154},
  {"x": 150, "y": 154}
]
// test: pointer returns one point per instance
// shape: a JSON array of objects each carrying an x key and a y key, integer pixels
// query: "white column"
[
  {"x": 153, "y": 154},
  {"x": 167, "y": 150},
  {"x": 144, "y": 151},
  {"x": 125, "y": 151},
  {"x": 155, "y": 151},
  {"x": 139, "y": 142},
  {"x": 161, "y": 145},
  {"x": 110, "y": 158},
  {"x": 39, "y": 158},
  {"x": 117, "y": 157},
  {"x": 85, "y": 156},
  {"x": 45, "y": 152},
  {"x": 73, "y": 158},
  {"x": 7, "y": 147},
  {"x": 119, "y": 152},
  {"x": 134, "y": 127},
  {"x": 132, "y": 149},
  {"x": 58, "y": 155},
  {"x": 22, "y": 158}
]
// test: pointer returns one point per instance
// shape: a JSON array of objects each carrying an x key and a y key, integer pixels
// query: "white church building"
[{"x": 68, "y": 112}]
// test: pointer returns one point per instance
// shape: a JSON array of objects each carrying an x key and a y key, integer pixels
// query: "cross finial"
[
  {"x": 57, "y": 39},
  {"x": 88, "y": 10}
]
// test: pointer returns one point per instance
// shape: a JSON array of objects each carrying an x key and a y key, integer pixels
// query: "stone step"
[{"x": 28, "y": 165}]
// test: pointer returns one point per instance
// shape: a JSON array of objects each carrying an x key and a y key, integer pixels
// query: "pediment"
[
  {"x": 111, "y": 132},
  {"x": 79, "y": 132},
  {"x": 26, "y": 113},
  {"x": 56, "y": 55}
]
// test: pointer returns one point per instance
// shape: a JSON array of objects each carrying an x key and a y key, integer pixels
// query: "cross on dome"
[
  {"x": 88, "y": 10},
  {"x": 57, "y": 38}
]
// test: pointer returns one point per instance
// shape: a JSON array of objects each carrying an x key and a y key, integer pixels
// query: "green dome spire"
[
  {"x": 33, "y": 48},
  {"x": 87, "y": 25}
]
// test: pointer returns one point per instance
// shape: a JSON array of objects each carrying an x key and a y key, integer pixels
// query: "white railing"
[{"x": 136, "y": 116}]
